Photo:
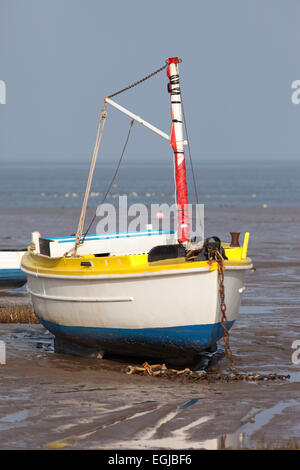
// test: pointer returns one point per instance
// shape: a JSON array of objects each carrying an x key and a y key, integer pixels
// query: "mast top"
[{"x": 173, "y": 60}]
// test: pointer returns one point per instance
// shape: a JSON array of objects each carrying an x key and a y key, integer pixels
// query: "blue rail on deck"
[{"x": 107, "y": 236}]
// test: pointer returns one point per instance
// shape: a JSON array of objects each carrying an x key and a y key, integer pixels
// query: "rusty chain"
[
  {"x": 160, "y": 370},
  {"x": 221, "y": 272},
  {"x": 139, "y": 81}
]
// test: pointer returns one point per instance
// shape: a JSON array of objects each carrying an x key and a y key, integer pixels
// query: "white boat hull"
[{"x": 163, "y": 314}]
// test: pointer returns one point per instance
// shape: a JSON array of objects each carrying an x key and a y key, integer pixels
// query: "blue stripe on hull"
[
  {"x": 12, "y": 278},
  {"x": 164, "y": 343}
]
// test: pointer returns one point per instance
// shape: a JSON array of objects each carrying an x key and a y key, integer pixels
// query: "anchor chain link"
[
  {"x": 139, "y": 81},
  {"x": 160, "y": 370},
  {"x": 216, "y": 255}
]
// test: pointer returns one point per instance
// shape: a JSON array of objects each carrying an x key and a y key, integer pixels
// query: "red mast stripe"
[{"x": 179, "y": 158}]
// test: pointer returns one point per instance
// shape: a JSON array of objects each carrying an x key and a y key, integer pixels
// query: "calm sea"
[{"x": 62, "y": 185}]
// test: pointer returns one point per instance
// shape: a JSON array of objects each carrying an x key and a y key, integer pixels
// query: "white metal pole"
[{"x": 139, "y": 119}]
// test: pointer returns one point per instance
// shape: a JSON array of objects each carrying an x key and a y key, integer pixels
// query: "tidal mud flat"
[
  {"x": 55, "y": 401},
  {"x": 58, "y": 401}
]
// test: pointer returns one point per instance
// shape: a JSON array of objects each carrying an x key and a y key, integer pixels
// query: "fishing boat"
[
  {"x": 148, "y": 293},
  {"x": 11, "y": 274}
]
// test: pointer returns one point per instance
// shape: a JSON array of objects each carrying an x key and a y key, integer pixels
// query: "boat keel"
[{"x": 62, "y": 346}]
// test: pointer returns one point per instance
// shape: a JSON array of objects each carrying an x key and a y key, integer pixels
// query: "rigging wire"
[
  {"x": 112, "y": 181},
  {"x": 189, "y": 151},
  {"x": 79, "y": 238},
  {"x": 79, "y": 241},
  {"x": 192, "y": 169},
  {"x": 102, "y": 120}
]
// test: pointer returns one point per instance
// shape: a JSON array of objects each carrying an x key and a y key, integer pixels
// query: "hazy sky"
[{"x": 60, "y": 58}]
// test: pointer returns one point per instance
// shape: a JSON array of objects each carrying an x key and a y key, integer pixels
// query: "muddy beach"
[{"x": 57, "y": 401}]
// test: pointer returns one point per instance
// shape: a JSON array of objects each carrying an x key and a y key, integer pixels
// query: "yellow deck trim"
[{"x": 129, "y": 264}]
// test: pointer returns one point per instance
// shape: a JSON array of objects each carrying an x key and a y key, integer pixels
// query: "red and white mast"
[{"x": 177, "y": 143}]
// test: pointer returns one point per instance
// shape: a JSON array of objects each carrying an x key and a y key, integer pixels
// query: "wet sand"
[{"x": 56, "y": 401}]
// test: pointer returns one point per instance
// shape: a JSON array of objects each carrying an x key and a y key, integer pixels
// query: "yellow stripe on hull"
[{"x": 129, "y": 264}]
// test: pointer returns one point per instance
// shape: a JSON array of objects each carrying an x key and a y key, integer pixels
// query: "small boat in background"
[{"x": 11, "y": 275}]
